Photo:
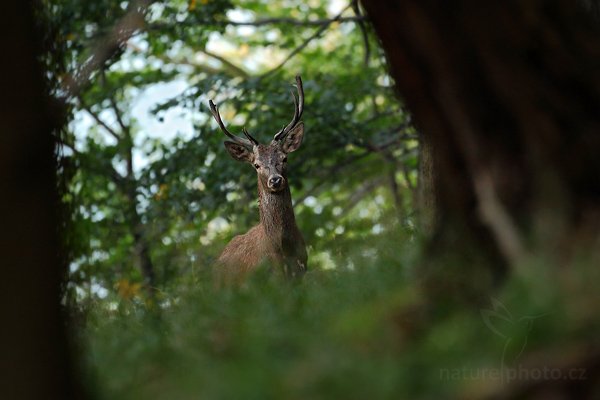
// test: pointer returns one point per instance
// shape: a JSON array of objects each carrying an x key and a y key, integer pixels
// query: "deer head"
[{"x": 269, "y": 160}]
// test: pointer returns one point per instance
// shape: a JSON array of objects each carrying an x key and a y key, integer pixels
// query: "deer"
[{"x": 276, "y": 240}]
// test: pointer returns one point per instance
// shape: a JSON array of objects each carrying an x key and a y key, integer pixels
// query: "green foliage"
[
  {"x": 369, "y": 332},
  {"x": 352, "y": 180}
]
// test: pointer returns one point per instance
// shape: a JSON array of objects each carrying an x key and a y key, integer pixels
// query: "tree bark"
[
  {"x": 426, "y": 195},
  {"x": 507, "y": 95},
  {"x": 34, "y": 356},
  {"x": 141, "y": 245}
]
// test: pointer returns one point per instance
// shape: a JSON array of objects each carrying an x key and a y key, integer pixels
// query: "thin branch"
[
  {"x": 234, "y": 69},
  {"x": 302, "y": 46},
  {"x": 97, "y": 118},
  {"x": 295, "y": 22},
  {"x": 118, "y": 114},
  {"x": 329, "y": 173},
  {"x": 363, "y": 30},
  {"x": 129, "y": 160},
  {"x": 113, "y": 103},
  {"x": 125, "y": 130},
  {"x": 228, "y": 64},
  {"x": 270, "y": 21},
  {"x": 128, "y": 141},
  {"x": 385, "y": 151},
  {"x": 406, "y": 175},
  {"x": 360, "y": 194},
  {"x": 185, "y": 61},
  {"x": 385, "y": 146},
  {"x": 494, "y": 214},
  {"x": 377, "y": 114},
  {"x": 113, "y": 174},
  {"x": 70, "y": 147}
]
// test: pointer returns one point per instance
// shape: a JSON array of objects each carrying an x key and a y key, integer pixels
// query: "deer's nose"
[{"x": 275, "y": 181}]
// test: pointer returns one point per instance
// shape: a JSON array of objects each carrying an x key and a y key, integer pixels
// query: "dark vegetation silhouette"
[
  {"x": 34, "y": 357},
  {"x": 505, "y": 97}
]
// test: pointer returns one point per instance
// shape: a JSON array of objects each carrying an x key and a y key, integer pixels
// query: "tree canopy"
[{"x": 175, "y": 196}]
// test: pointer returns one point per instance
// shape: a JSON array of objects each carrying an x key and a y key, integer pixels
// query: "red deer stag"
[{"x": 276, "y": 240}]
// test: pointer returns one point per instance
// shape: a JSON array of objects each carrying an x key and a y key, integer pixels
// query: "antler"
[
  {"x": 298, "y": 109},
  {"x": 249, "y": 136},
  {"x": 250, "y": 142}
]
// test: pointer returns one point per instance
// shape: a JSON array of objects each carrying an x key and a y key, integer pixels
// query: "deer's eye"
[
  {"x": 284, "y": 159},
  {"x": 256, "y": 166}
]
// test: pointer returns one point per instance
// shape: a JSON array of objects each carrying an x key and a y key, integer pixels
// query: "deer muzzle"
[{"x": 275, "y": 183}]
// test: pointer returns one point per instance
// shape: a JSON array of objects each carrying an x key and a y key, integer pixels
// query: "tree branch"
[
  {"x": 113, "y": 103},
  {"x": 97, "y": 118},
  {"x": 271, "y": 21},
  {"x": 329, "y": 173},
  {"x": 107, "y": 46},
  {"x": 70, "y": 147},
  {"x": 295, "y": 22},
  {"x": 305, "y": 43},
  {"x": 118, "y": 114},
  {"x": 237, "y": 71},
  {"x": 359, "y": 194},
  {"x": 363, "y": 30},
  {"x": 384, "y": 147},
  {"x": 226, "y": 63},
  {"x": 113, "y": 174},
  {"x": 406, "y": 175}
]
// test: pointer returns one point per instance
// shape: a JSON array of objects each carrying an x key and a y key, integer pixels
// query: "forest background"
[{"x": 442, "y": 260}]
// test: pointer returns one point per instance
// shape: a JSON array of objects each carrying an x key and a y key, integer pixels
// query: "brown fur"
[{"x": 276, "y": 240}]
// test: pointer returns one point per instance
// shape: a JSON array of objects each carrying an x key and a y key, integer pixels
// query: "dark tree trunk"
[
  {"x": 142, "y": 250},
  {"x": 141, "y": 245},
  {"x": 507, "y": 94},
  {"x": 34, "y": 356},
  {"x": 426, "y": 196}
]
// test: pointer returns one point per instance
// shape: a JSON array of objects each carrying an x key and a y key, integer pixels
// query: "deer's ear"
[
  {"x": 238, "y": 152},
  {"x": 293, "y": 140}
]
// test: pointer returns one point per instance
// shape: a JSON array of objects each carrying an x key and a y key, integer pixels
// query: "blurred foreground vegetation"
[{"x": 370, "y": 332}]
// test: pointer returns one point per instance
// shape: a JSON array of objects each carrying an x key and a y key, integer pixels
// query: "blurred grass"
[{"x": 369, "y": 332}]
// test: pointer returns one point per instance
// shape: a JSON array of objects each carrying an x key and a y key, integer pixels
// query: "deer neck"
[{"x": 277, "y": 214}]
